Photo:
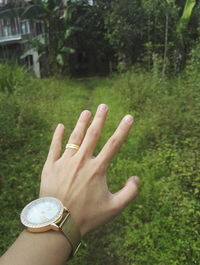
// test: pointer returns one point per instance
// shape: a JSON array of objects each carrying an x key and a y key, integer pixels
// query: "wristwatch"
[{"x": 48, "y": 213}]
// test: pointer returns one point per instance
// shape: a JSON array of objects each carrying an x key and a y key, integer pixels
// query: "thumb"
[{"x": 126, "y": 194}]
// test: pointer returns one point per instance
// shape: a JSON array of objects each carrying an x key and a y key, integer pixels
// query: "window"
[
  {"x": 90, "y": 2},
  {"x": 3, "y": 2},
  {"x": 7, "y": 30},
  {"x": 25, "y": 27}
]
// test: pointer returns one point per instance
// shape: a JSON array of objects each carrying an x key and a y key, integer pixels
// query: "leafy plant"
[
  {"x": 11, "y": 77},
  {"x": 187, "y": 12},
  {"x": 53, "y": 43}
]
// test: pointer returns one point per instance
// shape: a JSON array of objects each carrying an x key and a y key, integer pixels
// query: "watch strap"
[{"x": 71, "y": 231}]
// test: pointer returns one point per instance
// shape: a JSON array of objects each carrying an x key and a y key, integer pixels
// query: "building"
[{"x": 12, "y": 33}]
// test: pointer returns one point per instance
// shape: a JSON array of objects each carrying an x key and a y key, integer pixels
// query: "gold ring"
[{"x": 73, "y": 146}]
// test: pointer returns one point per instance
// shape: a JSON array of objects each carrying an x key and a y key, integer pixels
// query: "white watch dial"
[{"x": 41, "y": 212}]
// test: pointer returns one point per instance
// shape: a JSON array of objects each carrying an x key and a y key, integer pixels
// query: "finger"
[
  {"x": 94, "y": 131},
  {"x": 78, "y": 133},
  {"x": 56, "y": 144},
  {"x": 115, "y": 141},
  {"x": 126, "y": 194}
]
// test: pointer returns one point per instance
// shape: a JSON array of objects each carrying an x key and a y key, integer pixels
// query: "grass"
[{"x": 162, "y": 225}]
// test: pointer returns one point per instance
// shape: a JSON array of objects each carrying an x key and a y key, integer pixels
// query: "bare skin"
[{"x": 79, "y": 180}]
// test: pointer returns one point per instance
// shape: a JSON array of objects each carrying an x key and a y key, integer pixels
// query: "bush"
[
  {"x": 11, "y": 77},
  {"x": 193, "y": 64}
]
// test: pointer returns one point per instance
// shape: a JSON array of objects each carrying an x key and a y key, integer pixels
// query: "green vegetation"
[
  {"x": 162, "y": 226},
  {"x": 155, "y": 46},
  {"x": 52, "y": 42},
  {"x": 76, "y": 37}
]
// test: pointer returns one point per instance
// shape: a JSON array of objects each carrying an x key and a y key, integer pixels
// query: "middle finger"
[{"x": 93, "y": 133}]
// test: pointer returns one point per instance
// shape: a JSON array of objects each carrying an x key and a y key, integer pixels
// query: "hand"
[{"x": 78, "y": 178}]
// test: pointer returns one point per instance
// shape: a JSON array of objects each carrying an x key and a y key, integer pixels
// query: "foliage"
[
  {"x": 11, "y": 77},
  {"x": 187, "y": 12},
  {"x": 136, "y": 29},
  {"x": 55, "y": 17},
  {"x": 193, "y": 64},
  {"x": 162, "y": 225},
  {"x": 139, "y": 29},
  {"x": 121, "y": 33},
  {"x": 53, "y": 43}
]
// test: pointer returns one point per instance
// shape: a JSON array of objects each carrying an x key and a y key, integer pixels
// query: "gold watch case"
[
  {"x": 36, "y": 218},
  {"x": 38, "y": 210}
]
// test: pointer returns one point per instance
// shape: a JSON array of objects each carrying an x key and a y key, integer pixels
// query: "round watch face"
[{"x": 41, "y": 212}]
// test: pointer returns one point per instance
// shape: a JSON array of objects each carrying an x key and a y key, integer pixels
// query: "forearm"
[{"x": 50, "y": 248}]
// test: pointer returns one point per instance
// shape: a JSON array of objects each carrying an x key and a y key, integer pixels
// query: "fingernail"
[
  {"x": 59, "y": 125},
  {"x": 85, "y": 114},
  {"x": 128, "y": 119},
  {"x": 103, "y": 107},
  {"x": 136, "y": 180}
]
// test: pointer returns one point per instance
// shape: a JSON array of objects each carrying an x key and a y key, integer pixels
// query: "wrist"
[
  {"x": 48, "y": 214},
  {"x": 49, "y": 248}
]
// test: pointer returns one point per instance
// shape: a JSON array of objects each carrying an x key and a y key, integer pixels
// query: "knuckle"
[
  {"x": 94, "y": 172},
  {"x": 56, "y": 137},
  {"x": 96, "y": 169},
  {"x": 93, "y": 132},
  {"x": 56, "y": 140},
  {"x": 52, "y": 150},
  {"x": 115, "y": 207},
  {"x": 114, "y": 142},
  {"x": 102, "y": 164},
  {"x": 79, "y": 160},
  {"x": 76, "y": 135},
  {"x": 55, "y": 145}
]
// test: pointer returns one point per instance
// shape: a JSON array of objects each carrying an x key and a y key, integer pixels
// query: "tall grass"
[
  {"x": 162, "y": 225},
  {"x": 11, "y": 77}
]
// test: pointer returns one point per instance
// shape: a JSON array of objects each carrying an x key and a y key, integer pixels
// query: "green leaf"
[
  {"x": 11, "y": 13},
  {"x": 65, "y": 2},
  {"x": 187, "y": 12},
  {"x": 26, "y": 53},
  {"x": 70, "y": 31},
  {"x": 35, "y": 11},
  {"x": 59, "y": 59},
  {"x": 67, "y": 50},
  {"x": 68, "y": 13}
]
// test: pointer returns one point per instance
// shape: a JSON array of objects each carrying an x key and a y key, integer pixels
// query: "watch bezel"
[{"x": 45, "y": 225}]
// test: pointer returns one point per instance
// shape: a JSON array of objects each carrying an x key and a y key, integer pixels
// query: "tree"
[
  {"x": 187, "y": 12},
  {"x": 185, "y": 38},
  {"x": 125, "y": 24},
  {"x": 136, "y": 30},
  {"x": 90, "y": 40},
  {"x": 53, "y": 43}
]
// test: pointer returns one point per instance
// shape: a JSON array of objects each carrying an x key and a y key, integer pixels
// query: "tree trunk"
[{"x": 166, "y": 43}]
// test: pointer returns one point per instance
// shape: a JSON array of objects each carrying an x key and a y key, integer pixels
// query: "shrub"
[{"x": 11, "y": 77}]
